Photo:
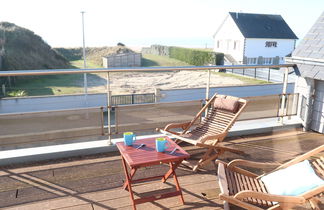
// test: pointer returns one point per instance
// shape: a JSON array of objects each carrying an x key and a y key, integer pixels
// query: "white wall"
[
  {"x": 318, "y": 107},
  {"x": 227, "y": 34},
  {"x": 305, "y": 87},
  {"x": 256, "y": 48}
]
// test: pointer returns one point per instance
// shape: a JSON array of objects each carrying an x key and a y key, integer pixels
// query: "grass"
[
  {"x": 79, "y": 64},
  {"x": 246, "y": 80},
  {"x": 52, "y": 84},
  {"x": 48, "y": 85},
  {"x": 156, "y": 60}
]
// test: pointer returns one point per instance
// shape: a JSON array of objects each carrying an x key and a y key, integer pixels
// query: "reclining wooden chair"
[
  {"x": 250, "y": 191},
  {"x": 211, "y": 131}
]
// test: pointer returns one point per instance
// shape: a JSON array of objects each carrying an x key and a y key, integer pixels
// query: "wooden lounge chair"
[
  {"x": 212, "y": 129},
  {"x": 248, "y": 190}
]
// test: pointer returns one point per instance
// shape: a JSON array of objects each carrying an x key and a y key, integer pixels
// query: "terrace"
[{"x": 66, "y": 158}]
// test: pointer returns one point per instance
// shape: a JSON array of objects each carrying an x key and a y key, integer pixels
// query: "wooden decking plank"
[{"x": 97, "y": 176}]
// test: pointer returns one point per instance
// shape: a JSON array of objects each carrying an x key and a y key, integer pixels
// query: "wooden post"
[
  {"x": 109, "y": 109},
  {"x": 284, "y": 92}
]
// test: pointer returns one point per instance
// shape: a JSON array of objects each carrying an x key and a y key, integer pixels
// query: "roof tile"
[
  {"x": 320, "y": 74},
  {"x": 312, "y": 47},
  {"x": 262, "y": 26}
]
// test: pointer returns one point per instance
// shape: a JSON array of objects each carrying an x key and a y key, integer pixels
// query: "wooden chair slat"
[
  {"x": 249, "y": 187},
  {"x": 255, "y": 188},
  {"x": 231, "y": 185},
  {"x": 319, "y": 167},
  {"x": 216, "y": 121},
  {"x": 237, "y": 182}
]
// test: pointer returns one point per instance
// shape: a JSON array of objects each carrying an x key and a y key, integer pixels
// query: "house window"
[
  {"x": 251, "y": 61},
  {"x": 270, "y": 44},
  {"x": 267, "y": 60},
  {"x": 235, "y": 45}
]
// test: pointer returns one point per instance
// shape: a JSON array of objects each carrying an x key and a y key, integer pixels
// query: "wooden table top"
[{"x": 148, "y": 155}]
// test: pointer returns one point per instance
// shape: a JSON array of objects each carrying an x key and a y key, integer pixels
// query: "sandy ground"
[{"x": 134, "y": 82}]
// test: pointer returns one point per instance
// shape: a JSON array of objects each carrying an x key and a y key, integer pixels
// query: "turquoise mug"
[
  {"x": 129, "y": 138},
  {"x": 161, "y": 144}
]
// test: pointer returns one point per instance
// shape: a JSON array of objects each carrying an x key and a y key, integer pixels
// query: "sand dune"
[{"x": 143, "y": 82}]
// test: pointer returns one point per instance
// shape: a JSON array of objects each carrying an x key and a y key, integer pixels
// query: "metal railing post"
[
  {"x": 156, "y": 95},
  {"x": 284, "y": 92},
  {"x": 4, "y": 89},
  {"x": 207, "y": 90},
  {"x": 109, "y": 109}
]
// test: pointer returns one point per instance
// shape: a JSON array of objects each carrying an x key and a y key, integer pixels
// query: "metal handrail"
[{"x": 133, "y": 69}]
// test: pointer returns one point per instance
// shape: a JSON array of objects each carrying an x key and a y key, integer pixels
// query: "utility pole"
[{"x": 84, "y": 60}]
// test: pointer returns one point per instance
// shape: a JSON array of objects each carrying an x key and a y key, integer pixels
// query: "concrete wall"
[{"x": 123, "y": 60}]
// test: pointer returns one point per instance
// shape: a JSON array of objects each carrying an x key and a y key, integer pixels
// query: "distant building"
[
  {"x": 309, "y": 58},
  {"x": 122, "y": 60},
  {"x": 247, "y": 38}
]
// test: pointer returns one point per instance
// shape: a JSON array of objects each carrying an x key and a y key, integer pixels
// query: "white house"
[
  {"x": 247, "y": 38},
  {"x": 309, "y": 60}
]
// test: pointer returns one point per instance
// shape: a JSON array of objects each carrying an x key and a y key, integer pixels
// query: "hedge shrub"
[{"x": 196, "y": 57}]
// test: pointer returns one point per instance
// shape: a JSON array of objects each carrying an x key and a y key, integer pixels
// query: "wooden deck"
[{"x": 94, "y": 182}]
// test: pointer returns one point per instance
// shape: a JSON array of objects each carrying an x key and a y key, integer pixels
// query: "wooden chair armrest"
[
  {"x": 270, "y": 197},
  {"x": 252, "y": 164},
  {"x": 217, "y": 161},
  {"x": 176, "y": 125}
]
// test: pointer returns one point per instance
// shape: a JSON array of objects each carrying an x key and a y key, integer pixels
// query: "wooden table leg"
[
  {"x": 173, "y": 166},
  {"x": 168, "y": 174},
  {"x": 133, "y": 170},
  {"x": 128, "y": 183}
]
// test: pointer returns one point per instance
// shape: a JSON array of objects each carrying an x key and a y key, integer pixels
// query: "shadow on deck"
[{"x": 94, "y": 182}]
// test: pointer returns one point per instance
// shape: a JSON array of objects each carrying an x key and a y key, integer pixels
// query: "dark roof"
[
  {"x": 262, "y": 26},
  {"x": 309, "y": 54}
]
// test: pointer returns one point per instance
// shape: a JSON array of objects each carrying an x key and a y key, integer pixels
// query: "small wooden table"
[{"x": 148, "y": 156}]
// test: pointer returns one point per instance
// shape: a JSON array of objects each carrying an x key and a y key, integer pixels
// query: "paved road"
[{"x": 34, "y": 104}]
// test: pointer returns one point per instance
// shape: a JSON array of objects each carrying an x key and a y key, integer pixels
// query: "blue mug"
[
  {"x": 129, "y": 138},
  {"x": 161, "y": 144}
]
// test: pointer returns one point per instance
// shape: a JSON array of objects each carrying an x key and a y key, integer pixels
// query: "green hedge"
[{"x": 196, "y": 57}]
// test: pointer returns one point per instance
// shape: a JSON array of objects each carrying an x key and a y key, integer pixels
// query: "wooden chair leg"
[
  {"x": 207, "y": 157},
  {"x": 314, "y": 202}
]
